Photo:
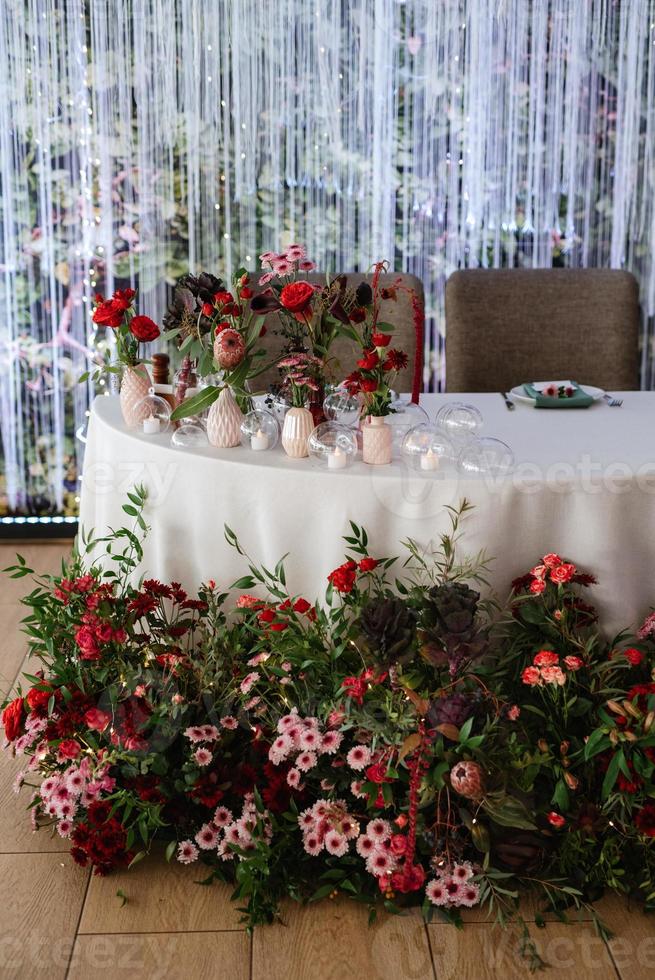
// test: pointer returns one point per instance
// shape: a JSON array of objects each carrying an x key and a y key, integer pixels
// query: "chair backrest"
[
  {"x": 507, "y": 326},
  {"x": 406, "y": 314}
]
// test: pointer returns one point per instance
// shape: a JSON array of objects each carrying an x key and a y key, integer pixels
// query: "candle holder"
[
  {"x": 426, "y": 449},
  {"x": 260, "y": 431},
  {"x": 486, "y": 457},
  {"x": 460, "y": 422},
  {"x": 332, "y": 446},
  {"x": 340, "y": 406},
  {"x": 404, "y": 415},
  {"x": 190, "y": 435},
  {"x": 154, "y": 414}
]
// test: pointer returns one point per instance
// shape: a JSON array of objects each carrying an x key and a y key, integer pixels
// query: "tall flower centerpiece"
[
  {"x": 130, "y": 331},
  {"x": 374, "y": 375},
  {"x": 302, "y": 373},
  {"x": 218, "y": 327}
]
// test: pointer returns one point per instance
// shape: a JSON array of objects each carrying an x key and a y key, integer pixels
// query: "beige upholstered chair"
[
  {"x": 507, "y": 326},
  {"x": 408, "y": 334}
]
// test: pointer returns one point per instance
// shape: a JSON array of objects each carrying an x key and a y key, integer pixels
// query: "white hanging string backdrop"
[{"x": 143, "y": 138}]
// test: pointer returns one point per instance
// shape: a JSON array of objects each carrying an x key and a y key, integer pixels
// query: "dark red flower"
[
  {"x": 144, "y": 329},
  {"x": 369, "y": 361},
  {"x": 343, "y": 578},
  {"x": 381, "y": 339},
  {"x": 297, "y": 296},
  {"x": 368, "y": 564},
  {"x": 12, "y": 718},
  {"x": 645, "y": 820},
  {"x": 396, "y": 360},
  {"x": 108, "y": 314}
]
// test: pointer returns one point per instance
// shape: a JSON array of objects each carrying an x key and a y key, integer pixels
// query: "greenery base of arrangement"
[{"x": 403, "y": 742}]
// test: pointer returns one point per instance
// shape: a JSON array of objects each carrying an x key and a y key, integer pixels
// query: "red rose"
[
  {"x": 537, "y": 586},
  {"x": 86, "y": 641},
  {"x": 377, "y": 773},
  {"x": 556, "y": 820},
  {"x": 108, "y": 314},
  {"x": 12, "y": 718},
  {"x": 122, "y": 298},
  {"x": 398, "y": 844},
  {"x": 278, "y": 627},
  {"x": 96, "y": 720},
  {"x": 68, "y": 749},
  {"x": 370, "y": 361},
  {"x": 297, "y": 296},
  {"x": 144, "y": 329},
  {"x": 246, "y": 293},
  {"x": 207, "y": 309},
  {"x": 563, "y": 573},
  {"x": 222, "y": 298},
  {"x": 633, "y": 656},
  {"x": 381, "y": 339},
  {"x": 368, "y": 564},
  {"x": 38, "y": 699},
  {"x": 551, "y": 560}
]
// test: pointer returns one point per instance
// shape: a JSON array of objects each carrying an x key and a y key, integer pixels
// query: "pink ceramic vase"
[
  {"x": 377, "y": 439},
  {"x": 224, "y": 421},
  {"x": 135, "y": 385},
  {"x": 297, "y": 428}
]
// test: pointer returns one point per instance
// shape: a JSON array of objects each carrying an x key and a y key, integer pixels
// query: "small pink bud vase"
[
  {"x": 135, "y": 385},
  {"x": 297, "y": 428},
  {"x": 377, "y": 438},
  {"x": 224, "y": 421}
]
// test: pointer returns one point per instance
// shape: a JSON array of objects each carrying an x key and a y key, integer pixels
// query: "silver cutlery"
[
  {"x": 509, "y": 404},
  {"x": 612, "y": 401}
]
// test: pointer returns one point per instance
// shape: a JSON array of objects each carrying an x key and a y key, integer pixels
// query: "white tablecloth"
[{"x": 584, "y": 486}]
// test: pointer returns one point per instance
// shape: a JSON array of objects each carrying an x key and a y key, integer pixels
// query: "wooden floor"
[{"x": 56, "y": 920}]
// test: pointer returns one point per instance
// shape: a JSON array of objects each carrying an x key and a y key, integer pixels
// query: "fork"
[
  {"x": 509, "y": 404},
  {"x": 612, "y": 401}
]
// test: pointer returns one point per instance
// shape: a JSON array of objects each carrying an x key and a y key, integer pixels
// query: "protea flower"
[
  {"x": 229, "y": 349},
  {"x": 467, "y": 779}
]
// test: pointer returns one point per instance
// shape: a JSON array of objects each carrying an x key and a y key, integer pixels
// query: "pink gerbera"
[
  {"x": 365, "y": 846},
  {"x": 187, "y": 852},
  {"x": 222, "y": 817},
  {"x": 306, "y": 761},
  {"x": 436, "y": 893},
  {"x": 336, "y": 843},
  {"x": 309, "y": 739},
  {"x": 293, "y": 778},
  {"x": 64, "y": 828},
  {"x": 380, "y": 863},
  {"x": 307, "y": 819},
  {"x": 248, "y": 681},
  {"x": 227, "y": 721},
  {"x": 312, "y": 844},
  {"x": 210, "y": 732},
  {"x": 295, "y": 252},
  {"x": 356, "y": 789},
  {"x": 203, "y": 756},
  {"x": 207, "y": 837},
  {"x": 359, "y": 757},
  {"x": 281, "y": 266},
  {"x": 469, "y": 895},
  {"x": 331, "y": 742},
  {"x": 378, "y": 829},
  {"x": 194, "y": 734},
  {"x": 306, "y": 265},
  {"x": 462, "y": 872}
]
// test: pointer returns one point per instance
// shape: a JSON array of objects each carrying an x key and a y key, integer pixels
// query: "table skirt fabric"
[{"x": 584, "y": 486}]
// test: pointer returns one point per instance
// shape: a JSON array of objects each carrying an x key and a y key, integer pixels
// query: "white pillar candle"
[
  {"x": 151, "y": 425},
  {"x": 337, "y": 460},
  {"x": 259, "y": 441},
  {"x": 430, "y": 460}
]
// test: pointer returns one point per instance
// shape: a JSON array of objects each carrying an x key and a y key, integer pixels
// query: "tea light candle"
[
  {"x": 337, "y": 460},
  {"x": 430, "y": 460},
  {"x": 259, "y": 441},
  {"x": 151, "y": 425}
]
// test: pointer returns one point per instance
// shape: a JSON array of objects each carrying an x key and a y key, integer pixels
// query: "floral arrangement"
[
  {"x": 219, "y": 329},
  {"x": 302, "y": 377},
  {"x": 129, "y": 329},
  {"x": 403, "y": 742}
]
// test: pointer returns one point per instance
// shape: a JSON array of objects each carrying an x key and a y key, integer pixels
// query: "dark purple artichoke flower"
[
  {"x": 388, "y": 628},
  {"x": 454, "y": 709}
]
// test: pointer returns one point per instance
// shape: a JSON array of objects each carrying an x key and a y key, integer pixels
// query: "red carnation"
[
  {"x": 301, "y": 606},
  {"x": 222, "y": 298},
  {"x": 12, "y": 718},
  {"x": 38, "y": 699},
  {"x": 144, "y": 329},
  {"x": 297, "y": 296},
  {"x": 343, "y": 578},
  {"x": 108, "y": 314},
  {"x": 368, "y": 564},
  {"x": 633, "y": 656},
  {"x": 96, "y": 719}
]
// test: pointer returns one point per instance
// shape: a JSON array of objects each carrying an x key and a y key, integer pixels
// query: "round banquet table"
[{"x": 583, "y": 486}]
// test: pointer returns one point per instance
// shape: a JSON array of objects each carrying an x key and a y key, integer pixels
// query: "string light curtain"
[{"x": 143, "y": 138}]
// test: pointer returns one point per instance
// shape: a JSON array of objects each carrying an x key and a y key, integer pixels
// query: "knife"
[{"x": 509, "y": 404}]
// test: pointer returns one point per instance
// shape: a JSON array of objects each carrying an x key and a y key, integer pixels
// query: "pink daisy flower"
[
  {"x": 356, "y": 789},
  {"x": 306, "y": 820},
  {"x": 64, "y": 828},
  {"x": 469, "y": 895},
  {"x": 462, "y": 872},
  {"x": 65, "y": 809},
  {"x": 453, "y": 889},
  {"x": 349, "y": 827},
  {"x": 266, "y": 278},
  {"x": 380, "y": 863},
  {"x": 248, "y": 681},
  {"x": 203, "y": 757},
  {"x": 259, "y": 658},
  {"x": 379, "y": 829},
  {"x": 286, "y": 665},
  {"x": 194, "y": 734},
  {"x": 75, "y": 781},
  {"x": 232, "y": 834},
  {"x": 310, "y": 739},
  {"x": 252, "y": 703},
  {"x": 336, "y": 843},
  {"x": 306, "y": 265},
  {"x": 365, "y": 846},
  {"x": 222, "y": 817},
  {"x": 293, "y": 778},
  {"x": 436, "y": 893},
  {"x": 227, "y": 721},
  {"x": 306, "y": 761},
  {"x": 281, "y": 266},
  {"x": 49, "y": 785},
  {"x": 187, "y": 852},
  {"x": 210, "y": 732},
  {"x": 331, "y": 742},
  {"x": 280, "y": 749},
  {"x": 359, "y": 757},
  {"x": 267, "y": 257},
  {"x": 312, "y": 844},
  {"x": 295, "y": 252},
  {"x": 207, "y": 837}
]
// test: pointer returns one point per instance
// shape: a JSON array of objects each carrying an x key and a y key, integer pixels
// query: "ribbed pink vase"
[
  {"x": 377, "y": 439},
  {"x": 224, "y": 421},
  {"x": 297, "y": 428},
  {"x": 135, "y": 385}
]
